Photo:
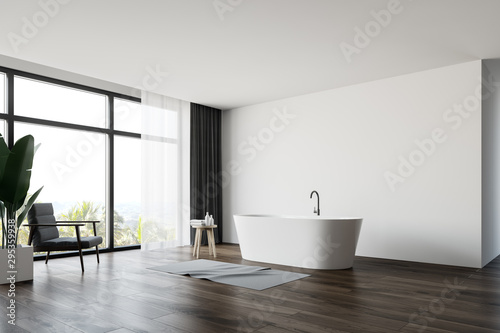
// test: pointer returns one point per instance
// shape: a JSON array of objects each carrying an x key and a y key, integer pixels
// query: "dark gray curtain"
[{"x": 206, "y": 167}]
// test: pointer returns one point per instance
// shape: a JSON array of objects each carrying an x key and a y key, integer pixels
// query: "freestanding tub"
[{"x": 309, "y": 242}]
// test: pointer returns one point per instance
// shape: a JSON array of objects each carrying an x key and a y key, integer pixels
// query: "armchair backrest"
[{"x": 43, "y": 213}]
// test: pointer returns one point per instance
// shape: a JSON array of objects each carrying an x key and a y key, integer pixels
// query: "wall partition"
[{"x": 89, "y": 160}]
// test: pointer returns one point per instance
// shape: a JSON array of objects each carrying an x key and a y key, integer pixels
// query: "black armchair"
[{"x": 45, "y": 236}]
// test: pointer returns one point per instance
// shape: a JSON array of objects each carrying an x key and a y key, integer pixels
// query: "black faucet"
[{"x": 315, "y": 211}]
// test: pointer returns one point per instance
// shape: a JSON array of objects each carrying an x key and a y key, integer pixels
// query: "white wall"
[
  {"x": 491, "y": 161},
  {"x": 341, "y": 142}
]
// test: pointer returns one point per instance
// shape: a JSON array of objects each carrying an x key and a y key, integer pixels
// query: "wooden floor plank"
[{"x": 45, "y": 324}]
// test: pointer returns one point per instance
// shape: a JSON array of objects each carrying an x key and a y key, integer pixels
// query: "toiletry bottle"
[
  {"x": 207, "y": 219},
  {"x": 211, "y": 220}
]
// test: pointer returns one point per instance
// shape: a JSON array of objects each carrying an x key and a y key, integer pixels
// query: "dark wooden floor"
[{"x": 121, "y": 295}]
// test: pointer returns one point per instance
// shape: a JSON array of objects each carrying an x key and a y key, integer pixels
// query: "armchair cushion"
[
  {"x": 43, "y": 214},
  {"x": 87, "y": 242}
]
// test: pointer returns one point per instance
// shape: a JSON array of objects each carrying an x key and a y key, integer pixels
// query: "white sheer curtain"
[{"x": 165, "y": 172}]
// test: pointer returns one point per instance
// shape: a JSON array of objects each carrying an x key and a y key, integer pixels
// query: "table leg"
[
  {"x": 213, "y": 242},
  {"x": 198, "y": 243},
  {"x": 210, "y": 249},
  {"x": 195, "y": 241}
]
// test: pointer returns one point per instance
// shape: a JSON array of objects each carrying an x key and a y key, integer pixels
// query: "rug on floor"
[{"x": 252, "y": 277}]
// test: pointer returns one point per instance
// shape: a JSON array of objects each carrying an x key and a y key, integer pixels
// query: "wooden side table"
[{"x": 210, "y": 236}]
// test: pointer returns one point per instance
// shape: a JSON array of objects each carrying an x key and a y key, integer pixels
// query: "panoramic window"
[
  {"x": 70, "y": 165},
  {"x": 43, "y": 100},
  {"x": 77, "y": 148}
]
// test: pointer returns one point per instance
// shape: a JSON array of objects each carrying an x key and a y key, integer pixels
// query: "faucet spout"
[{"x": 310, "y": 197}]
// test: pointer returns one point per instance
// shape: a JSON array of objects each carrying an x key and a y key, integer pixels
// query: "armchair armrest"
[
  {"x": 76, "y": 225},
  {"x": 78, "y": 221},
  {"x": 53, "y": 225},
  {"x": 93, "y": 224}
]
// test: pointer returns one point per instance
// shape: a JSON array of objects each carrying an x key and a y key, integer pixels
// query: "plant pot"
[{"x": 23, "y": 269}]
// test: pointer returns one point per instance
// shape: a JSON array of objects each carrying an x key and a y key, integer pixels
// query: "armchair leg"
[
  {"x": 97, "y": 246},
  {"x": 81, "y": 259},
  {"x": 97, "y": 253},
  {"x": 47, "y": 257},
  {"x": 79, "y": 246}
]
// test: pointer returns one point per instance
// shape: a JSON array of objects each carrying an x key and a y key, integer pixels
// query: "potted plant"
[{"x": 15, "y": 175}]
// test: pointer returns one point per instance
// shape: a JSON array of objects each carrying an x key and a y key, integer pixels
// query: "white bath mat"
[{"x": 252, "y": 277}]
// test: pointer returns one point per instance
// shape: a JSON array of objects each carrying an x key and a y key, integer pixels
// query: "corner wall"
[
  {"x": 403, "y": 153},
  {"x": 490, "y": 160}
]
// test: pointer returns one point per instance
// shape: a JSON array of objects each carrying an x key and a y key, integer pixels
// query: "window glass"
[
  {"x": 53, "y": 102},
  {"x": 127, "y": 116},
  {"x": 2, "y": 93},
  {"x": 70, "y": 165},
  {"x": 127, "y": 191}
]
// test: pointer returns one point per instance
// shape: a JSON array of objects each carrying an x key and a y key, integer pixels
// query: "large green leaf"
[
  {"x": 4, "y": 234},
  {"x": 27, "y": 207},
  {"x": 15, "y": 180},
  {"x": 4, "y": 154}
]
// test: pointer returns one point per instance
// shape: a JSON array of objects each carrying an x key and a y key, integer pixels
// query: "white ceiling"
[{"x": 262, "y": 50}]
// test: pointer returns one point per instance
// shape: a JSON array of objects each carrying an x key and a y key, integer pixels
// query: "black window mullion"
[
  {"x": 10, "y": 110},
  {"x": 111, "y": 173},
  {"x": 67, "y": 84}
]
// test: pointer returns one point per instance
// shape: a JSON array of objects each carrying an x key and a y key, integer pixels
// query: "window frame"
[{"x": 10, "y": 118}]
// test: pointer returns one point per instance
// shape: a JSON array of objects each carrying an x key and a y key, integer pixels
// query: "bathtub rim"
[{"x": 298, "y": 217}]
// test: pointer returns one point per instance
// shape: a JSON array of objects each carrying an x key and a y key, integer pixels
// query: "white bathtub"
[{"x": 309, "y": 242}]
